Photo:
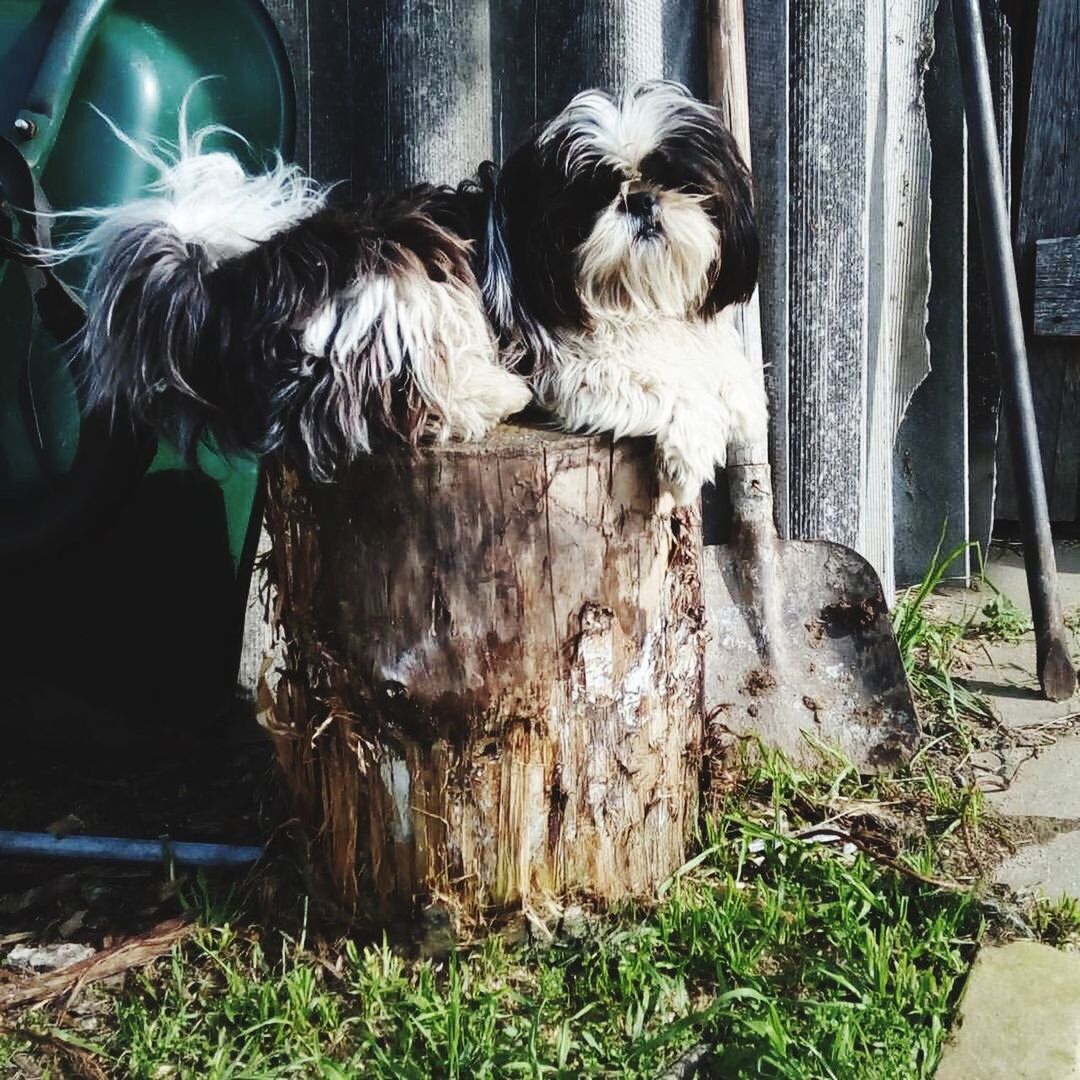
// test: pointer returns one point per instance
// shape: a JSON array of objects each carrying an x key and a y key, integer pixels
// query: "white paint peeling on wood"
[{"x": 395, "y": 777}]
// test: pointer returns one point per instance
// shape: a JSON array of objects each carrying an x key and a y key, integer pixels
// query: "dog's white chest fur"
[{"x": 689, "y": 383}]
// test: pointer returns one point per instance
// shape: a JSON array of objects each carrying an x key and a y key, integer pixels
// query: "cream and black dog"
[
  {"x": 601, "y": 263},
  {"x": 248, "y": 307},
  {"x": 626, "y": 234}
]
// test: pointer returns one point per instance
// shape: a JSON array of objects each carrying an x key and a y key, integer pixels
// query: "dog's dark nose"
[{"x": 643, "y": 205}]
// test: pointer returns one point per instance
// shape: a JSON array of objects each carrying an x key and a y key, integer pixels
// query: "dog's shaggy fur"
[{"x": 625, "y": 232}]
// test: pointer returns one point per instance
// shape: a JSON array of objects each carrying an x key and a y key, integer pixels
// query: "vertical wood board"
[
  {"x": 767, "y": 60},
  {"x": 545, "y": 51},
  {"x": 1049, "y": 207},
  {"x": 828, "y": 271},
  {"x": 984, "y": 383}
]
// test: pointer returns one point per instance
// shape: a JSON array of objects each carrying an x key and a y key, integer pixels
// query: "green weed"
[
  {"x": 1057, "y": 922},
  {"x": 785, "y": 959},
  {"x": 927, "y": 649},
  {"x": 1002, "y": 619}
]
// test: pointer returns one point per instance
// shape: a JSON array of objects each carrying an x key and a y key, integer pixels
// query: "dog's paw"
[
  {"x": 498, "y": 393},
  {"x": 517, "y": 394},
  {"x": 680, "y": 483}
]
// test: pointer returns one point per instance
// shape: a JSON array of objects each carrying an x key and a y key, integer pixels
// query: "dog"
[
  {"x": 622, "y": 235},
  {"x": 248, "y": 308}
]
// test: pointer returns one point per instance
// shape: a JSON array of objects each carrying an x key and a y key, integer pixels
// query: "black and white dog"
[
  {"x": 606, "y": 255},
  {"x": 246, "y": 306},
  {"x": 626, "y": 232}
]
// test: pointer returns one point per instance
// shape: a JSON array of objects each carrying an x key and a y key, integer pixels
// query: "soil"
[{"x": 216, "y": 791}]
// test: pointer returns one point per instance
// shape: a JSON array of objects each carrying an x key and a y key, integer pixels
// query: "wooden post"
[
  {"x": 930, "y": 457},
  {"x": 494, "y": 665},
  {"x": 1049, "y": 208}
]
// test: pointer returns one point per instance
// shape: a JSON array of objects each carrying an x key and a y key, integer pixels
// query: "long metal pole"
[
  {"x": 123, "y": 849},
  {"x": 1056, "y": 672}
]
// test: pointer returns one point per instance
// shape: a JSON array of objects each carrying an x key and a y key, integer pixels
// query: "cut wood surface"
[
  {"x": 494, "y": 667},
  {"x": 1057, "y": 287}
]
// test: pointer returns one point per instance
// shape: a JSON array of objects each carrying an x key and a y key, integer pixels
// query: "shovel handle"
[{"x": 750, "y": 488}]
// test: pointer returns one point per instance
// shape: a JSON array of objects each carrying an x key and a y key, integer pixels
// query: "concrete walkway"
[
  {"x": 1037, "y": 778},
  {"x": 1019, "y": 1019},
  {"x": 1020, "y": 1015}
]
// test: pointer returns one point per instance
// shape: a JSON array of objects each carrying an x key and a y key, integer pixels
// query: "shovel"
[{"x": 801, "y": 652}]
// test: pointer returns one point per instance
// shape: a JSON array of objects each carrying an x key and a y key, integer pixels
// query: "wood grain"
[
  {"x": 1057, "y": 287},
  {"x": 497, "y": 670},
  {"x": 828, "y": 267},
  {"x": 767, "y": 61},
  {"x": 1049, "y": 208},
  {"x": 984, "y": 383},
  {"x": 930, "y": 486}
]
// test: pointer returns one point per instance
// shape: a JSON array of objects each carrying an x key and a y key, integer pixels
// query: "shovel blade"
[{"x": 821, "y": 666}]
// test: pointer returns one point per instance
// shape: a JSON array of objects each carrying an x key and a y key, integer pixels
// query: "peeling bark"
[{"x": 492, "y": 693}]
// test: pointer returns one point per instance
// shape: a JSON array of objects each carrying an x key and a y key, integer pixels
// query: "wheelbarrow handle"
[
  {"x": 1056, "y": 672},
  {"x": 37, "y": 123}
]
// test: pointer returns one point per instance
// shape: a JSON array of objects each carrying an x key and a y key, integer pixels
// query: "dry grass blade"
[
  {"x": 133, "y": 953},
  {"x": 80, "y": 1064}
]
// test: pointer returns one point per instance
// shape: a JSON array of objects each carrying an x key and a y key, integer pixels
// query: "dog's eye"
[
  {"x": 664, "y": 172},
  {"x": 596, "y": 189}
]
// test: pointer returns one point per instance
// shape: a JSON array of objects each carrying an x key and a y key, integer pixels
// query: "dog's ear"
[
  {"x": 540, "y": 228},
  {"x": 494, "y": 270},
  {"x": 733, "y": 276}
]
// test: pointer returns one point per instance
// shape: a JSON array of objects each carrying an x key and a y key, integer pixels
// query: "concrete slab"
[
  {"x": 1004, "y": 672},
  {"x": 1006, "y": 570},
  {"x": 1045, "y": 786},
  {"x": 1019, "y": 1019},
  {"x": 1051, "y": 868}
]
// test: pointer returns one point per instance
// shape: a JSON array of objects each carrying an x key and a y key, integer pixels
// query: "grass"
[
  {"x": 928, "y": 650},
  {"x": 1057, "y": 922},
  {"x": 784, "y": 957},
  {"x": 1002, "y": 619},
  {"x": 787, "y": 960}
]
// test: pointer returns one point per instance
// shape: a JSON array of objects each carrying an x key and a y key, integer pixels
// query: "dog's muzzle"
[{"x": 643, "y": 207}]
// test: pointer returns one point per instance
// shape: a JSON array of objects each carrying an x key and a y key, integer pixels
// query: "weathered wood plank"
[
  {"x": 767, "y": 45},
  {"x": 930, "y": 490},
  {"x": 1050, "y": 207},
  {"x": 291, "y": 19},
  {"x": 900, "y": 40},
  {"x": 728, "y": 84},
  {"x": 421, "y": 83},
  {"x": 1057, "y": 287},
  {"x": 828, "y": 267},
  {"x": 545, "y": 51}
]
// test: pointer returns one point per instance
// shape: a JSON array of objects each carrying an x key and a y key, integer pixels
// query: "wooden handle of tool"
[{"x": 727, "y": 69}]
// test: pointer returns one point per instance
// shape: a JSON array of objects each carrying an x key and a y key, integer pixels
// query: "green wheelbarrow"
[{"x": 124, "y": 569}]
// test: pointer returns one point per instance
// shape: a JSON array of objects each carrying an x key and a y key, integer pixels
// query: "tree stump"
[{"x": 493, "y": 676}]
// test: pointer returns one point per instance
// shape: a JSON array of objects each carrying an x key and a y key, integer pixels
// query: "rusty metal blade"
[{"x": 801, "y": 649}]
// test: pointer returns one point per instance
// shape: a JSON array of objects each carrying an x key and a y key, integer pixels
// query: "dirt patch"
[
  {"x": 758, "y": 682},
  {"x": 849, "y": 617}
]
